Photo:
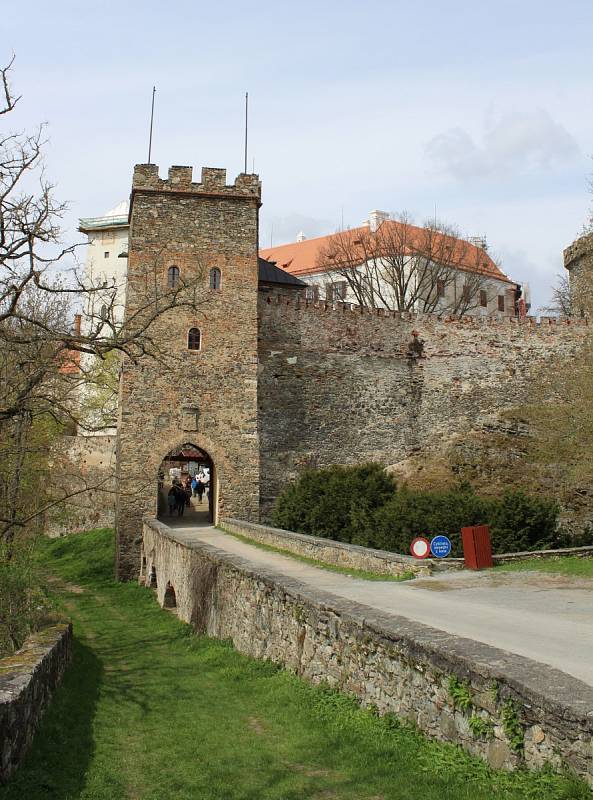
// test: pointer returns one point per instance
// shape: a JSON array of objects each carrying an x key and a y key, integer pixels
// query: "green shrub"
[
  {"x": 23, "y": 603},
  {"x": 335, "y": 503},
  {"x": 412, "y": 513},
  {"x": 362, "y": 505},
  {"x": 522, "y": 522}
]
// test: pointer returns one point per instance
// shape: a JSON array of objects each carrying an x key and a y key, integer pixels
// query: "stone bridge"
[{"x": 364, "y": 638}]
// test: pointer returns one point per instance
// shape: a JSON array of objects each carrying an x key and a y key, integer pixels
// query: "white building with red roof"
[{"x": 394, "y": 264}]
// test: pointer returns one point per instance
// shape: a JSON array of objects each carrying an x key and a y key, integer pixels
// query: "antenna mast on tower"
[
  {"x": 246, "y": 110},
  {"x": 151, "y": 119}
]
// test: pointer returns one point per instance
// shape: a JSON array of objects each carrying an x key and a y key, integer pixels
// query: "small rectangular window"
[
  {"x": 440, "y": 288},
  {"x": 483, "y": 298},
  {"x": 501, "y": 302},
  {"x": 329, "y": 292},
  {"x": 312, "y": 293},
  {"x": 106, "y": 254},
  {"x": 340, "y": 290}
]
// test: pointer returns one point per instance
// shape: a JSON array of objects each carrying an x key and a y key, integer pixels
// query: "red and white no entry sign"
[{"x": 420, "y": 547}]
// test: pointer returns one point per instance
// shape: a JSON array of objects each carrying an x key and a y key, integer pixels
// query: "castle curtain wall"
[{"x": 337, "y": 386}]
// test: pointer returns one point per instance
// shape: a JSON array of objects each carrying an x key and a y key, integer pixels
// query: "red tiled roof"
[{"x": 301, "y": 258}]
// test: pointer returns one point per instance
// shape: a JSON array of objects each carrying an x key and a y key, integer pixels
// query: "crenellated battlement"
[
  {"x": 542, "y": 324},
  {"x": 180, "y": 180}
]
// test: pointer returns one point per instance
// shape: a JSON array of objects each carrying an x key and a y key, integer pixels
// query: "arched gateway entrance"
[{"x": 178, "y": 502}]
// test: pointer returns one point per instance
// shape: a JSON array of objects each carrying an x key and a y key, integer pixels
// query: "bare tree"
[
  {"x": 41, "y": 371},
  {"x": 403, "y": 267},
  {"x": 561, "y": 298}
]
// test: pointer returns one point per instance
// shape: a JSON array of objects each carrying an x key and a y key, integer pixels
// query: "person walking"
[
  {"x": 172, "y": 500},
  {"x": 194, "y": 486},
  {"x": 200, "y": 490},
  {"x": 180, "y": 497}
]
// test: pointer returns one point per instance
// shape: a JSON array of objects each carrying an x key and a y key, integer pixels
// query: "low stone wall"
[
  {"x": 338, "y": 553},
  {"x": 27, "y": 681},
  {"x": 503, "y": 707},
  {"x": 365, "y": 558},
  {"x": 577, "y": 552}
]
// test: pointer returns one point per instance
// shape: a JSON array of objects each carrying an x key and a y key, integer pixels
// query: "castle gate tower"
[{"x": 198, "y": 242}]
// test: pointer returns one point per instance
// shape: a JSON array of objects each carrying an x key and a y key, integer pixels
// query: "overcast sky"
[{"x": 480, "y": 110}]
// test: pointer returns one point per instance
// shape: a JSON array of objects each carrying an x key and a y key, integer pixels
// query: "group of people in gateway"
[{"x": 181, "y": 492}]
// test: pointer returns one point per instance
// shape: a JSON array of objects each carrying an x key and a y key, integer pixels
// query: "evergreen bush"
[
  {"x": 335, "y": 502},
  {"x": 362, "y": 505}
]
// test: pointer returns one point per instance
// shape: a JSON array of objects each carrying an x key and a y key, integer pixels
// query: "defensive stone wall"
[
  {"x": 514, "y": 710},
  {"x": 27, "y": 681},
  {"x": 342, "y": 385},
  {"x": 84, "y": 468}
]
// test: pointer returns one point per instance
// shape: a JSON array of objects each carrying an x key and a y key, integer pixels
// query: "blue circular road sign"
[{"x": 440, "y": 546}]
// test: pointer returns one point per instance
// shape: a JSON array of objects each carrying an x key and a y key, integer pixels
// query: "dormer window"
[
  {"x": 173, "y": 277},
  {"x": 215, "y": 278},
  {"x": 194, "y": 339}
]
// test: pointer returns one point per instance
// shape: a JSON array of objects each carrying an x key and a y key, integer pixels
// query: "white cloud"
[{"x": 515, "y": 143}]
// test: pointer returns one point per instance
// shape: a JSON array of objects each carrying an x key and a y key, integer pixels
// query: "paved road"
[{"x": 548, "y": 618}]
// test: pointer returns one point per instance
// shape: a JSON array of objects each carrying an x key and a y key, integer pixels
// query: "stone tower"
[
  {"x": 204, "y": 389},
  {"x": 578, "y": 260}
]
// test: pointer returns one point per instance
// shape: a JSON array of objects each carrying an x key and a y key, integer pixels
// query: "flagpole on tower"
[{"x": 151, "y": 119}]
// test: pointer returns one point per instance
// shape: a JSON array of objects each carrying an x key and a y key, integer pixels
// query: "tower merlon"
[{"x": 180, "y": 179}]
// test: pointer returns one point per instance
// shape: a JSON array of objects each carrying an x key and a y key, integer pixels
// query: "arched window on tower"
[
  {"x": 194, "y": 339},
  {"x": 215, "y": 278},
  {"x": 173, "y": 277}
]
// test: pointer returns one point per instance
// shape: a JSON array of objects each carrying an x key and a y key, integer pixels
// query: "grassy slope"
[
  {"x": 149, "y": 710},
  {"x": 564, "y": 565}
]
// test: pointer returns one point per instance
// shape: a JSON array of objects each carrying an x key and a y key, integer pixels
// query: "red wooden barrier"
[{"x": 477, "y": 551}]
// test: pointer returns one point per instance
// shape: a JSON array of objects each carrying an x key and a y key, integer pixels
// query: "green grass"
[
  {"x": 563, "y": 565},
  {"x": 150, "y": 711},
  {"x": 351, "y": 572}
]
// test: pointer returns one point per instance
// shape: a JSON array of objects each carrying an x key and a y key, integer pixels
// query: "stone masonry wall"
[
  {"x": 578, "y": 260},
  {"x": 338, "y": 554},
  {"x": 84, "y": 464},
  {"x": 384, "y": 660},
  {"x": 338, "y": 385},
  {"x": 208, "y": 397},
  {"x": 27, "y": 681}
]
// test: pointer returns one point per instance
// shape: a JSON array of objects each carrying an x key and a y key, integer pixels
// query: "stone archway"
[
  {"x": 152, "y": 581},
  {"x": 177, "y": 469},
  {"x": 170, "y": 598}
]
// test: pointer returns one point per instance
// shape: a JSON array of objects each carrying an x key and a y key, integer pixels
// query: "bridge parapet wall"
[
  {"x": 386, "y": 661},
  {"x": 339, "y": 554}
]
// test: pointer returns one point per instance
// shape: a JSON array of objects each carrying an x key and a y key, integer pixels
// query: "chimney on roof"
[
  {"x": 77, "y": 324},
  {"x": 376, "y": 219},
  {"x": 479, "y": 241},
  {"x": 300, "y": 237}
]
